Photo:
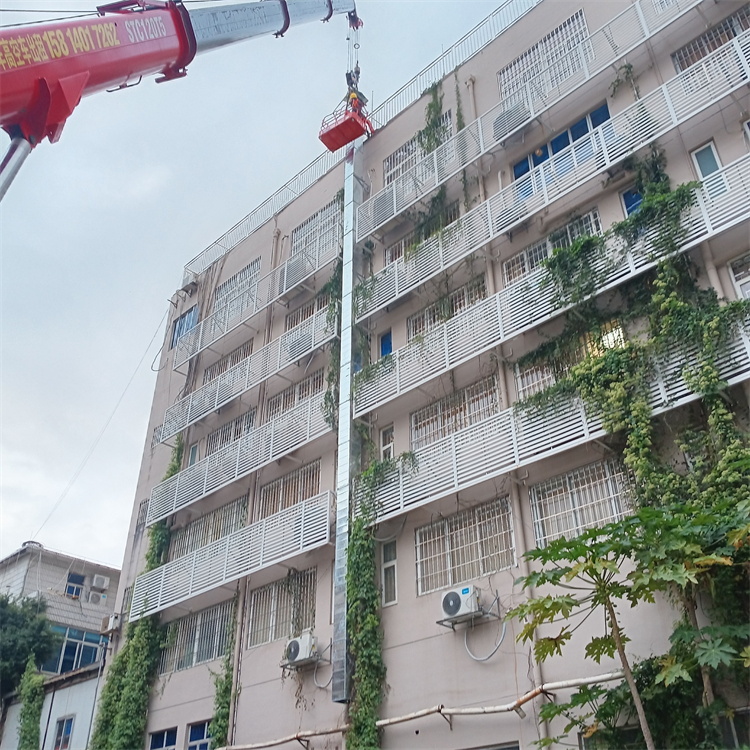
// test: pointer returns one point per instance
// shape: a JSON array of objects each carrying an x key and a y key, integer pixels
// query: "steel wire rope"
[
  {"x": 45, "y": 20},
  {"x": 497, "y": 645},
  {"x": 98, "y": 438}
]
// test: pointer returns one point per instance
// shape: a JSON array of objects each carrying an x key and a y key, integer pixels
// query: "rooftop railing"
[
  {"x": 264, "y": 444},
  {"x": 515, "y": 437},
  {"x": 250, "y": 372},
  {"x": 613, "y": 41},
  {"x": 262, "y": 292},
  {"x": 479, "y": 37},
  {"x": 723, "y": 201},
  {"x": 719, "y": 74},
  {"x": 269, "y": 541}
]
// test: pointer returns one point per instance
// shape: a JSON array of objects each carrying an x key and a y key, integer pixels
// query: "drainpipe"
[
  {"x": 49, "y": 715},
  {"x": 470, "y": 81}
]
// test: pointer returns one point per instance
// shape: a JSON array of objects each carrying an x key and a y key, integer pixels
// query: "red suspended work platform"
[{"x": 343, "y": 126}]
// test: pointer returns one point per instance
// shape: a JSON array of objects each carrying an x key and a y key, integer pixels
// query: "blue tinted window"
[
  {"x": 542, "y": 156},
  {"x": 165, "y": 739},
  {"x": 632, "y": 201},
  {"x": 357, "y": 362},
  {"x": 386, "y": 344},
  {"x": 52, "y": 663},
  {"x": 92, "y": 637},
  {"x": 520, "y": 169},
  {"x": 598, "y": 116},
  {"x": 88, "y": 655},
  {"x": 579, "y": 129},
  {"x": 69, "y": 657},
  {"x": 186, "y": 322},
  {"x": 75, "y": 634},
  {"x": 157, "y": 741},
  {"x": 171, "y": 737},
  {"x": 76, "y": 578},
  {"x": 198, "y": 731},
  {"x": 560, "y": 142}
]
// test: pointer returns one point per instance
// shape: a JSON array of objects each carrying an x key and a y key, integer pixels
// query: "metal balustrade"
[
  {"x": 725, "y": 70},
  {"x": 466, "y": 47},
  {"x": 276, "y": 538},
  {"x": 271, "y": 359},
  {"x": 722, "y": 202},
  {"x": 600, "y": 50},
  {"x": 514, "y": 438},
  {"x": 264, "y": 444},
  {"x": 263, "y": 292}
]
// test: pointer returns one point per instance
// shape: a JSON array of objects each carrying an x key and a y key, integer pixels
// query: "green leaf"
[
  {"x": 714, "y": 652},
  {"x": 601, "y": 646},
  {"x": 672, "y": 671}
]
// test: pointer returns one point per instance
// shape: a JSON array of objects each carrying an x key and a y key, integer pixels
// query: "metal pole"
[{"x": 19, "y": 149}]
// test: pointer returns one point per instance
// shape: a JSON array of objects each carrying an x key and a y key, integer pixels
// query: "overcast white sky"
[{"x": 96, "y": 228}]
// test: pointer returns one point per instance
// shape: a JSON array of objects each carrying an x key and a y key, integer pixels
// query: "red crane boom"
[{"x": 46, "y": 69}]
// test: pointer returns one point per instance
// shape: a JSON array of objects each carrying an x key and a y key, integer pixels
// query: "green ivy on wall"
[{"x": 31, "y": 693}]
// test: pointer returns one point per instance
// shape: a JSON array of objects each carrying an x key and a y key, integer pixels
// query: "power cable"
[
  {"x": 47, "y": 20},
  {"x": 90, "y": 451}
]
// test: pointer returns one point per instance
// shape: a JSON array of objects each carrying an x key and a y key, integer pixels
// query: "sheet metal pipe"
[{"x": 16, "y": 155}]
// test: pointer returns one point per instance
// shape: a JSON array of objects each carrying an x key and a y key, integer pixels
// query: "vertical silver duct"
[{"x": 347, "y": 456}]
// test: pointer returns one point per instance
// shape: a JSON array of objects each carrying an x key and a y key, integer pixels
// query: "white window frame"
[
  {"x": 386, "y": 565},
  {"x": 164, "y": 732},
  {"x": 739, "y": 281},
  {"x": 204, "y": 741},
  {"x": 623, "y": 205},
  {"x": 387, "y": 443},
  {"x": 714, "y": 184},
  {"x": 570, "y": 495},
  {"x": 473, "y": 522},
  {"x": 233, "y": 430},
  {"x": 193, "y": 454},
  {"x": 60, "y": 725}
]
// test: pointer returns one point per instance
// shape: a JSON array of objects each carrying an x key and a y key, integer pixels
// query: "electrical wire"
[
  {"x": 47, "y": 20},
  {"x": 90, "y": 451},
  {"x": 497, "y": 645},
  {"x": 315, "y": 671}
]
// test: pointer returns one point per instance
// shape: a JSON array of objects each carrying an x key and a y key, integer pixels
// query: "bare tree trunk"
[
  {"x": 629, "y": 677},
  {"x": 688, "y": 602}
]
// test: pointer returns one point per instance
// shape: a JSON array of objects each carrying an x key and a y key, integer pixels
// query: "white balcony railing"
[
  {"x": 263, "y": 292},
  {"x": 617, "y": 38},
  {"x": 480, "y": 36},
  {"x": 514, "y": 438},
  {"x": 271, "y": 359},
  {"x": 272, "y": 540},
  {"x": 723, "y": 71},
  {"x": 264, "y": 444},
  {"x": 723, "y": 202}
]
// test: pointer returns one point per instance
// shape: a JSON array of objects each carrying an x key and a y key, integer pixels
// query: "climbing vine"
[
  {"x": 689, "y": 535},
  {"x": 123, "y": 706},
  {"x": 223, "y": 680},
  {"x": 434, "y": 132},
  {"x": 331, "y": 290},
  {"x": 31, "y": 693}
]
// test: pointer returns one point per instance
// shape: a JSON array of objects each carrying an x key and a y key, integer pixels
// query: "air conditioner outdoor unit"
[
  {"x": 110, "y": 623},
  {"x": 301, "y": 650},
  {"x": 100, "y": 583},
  {"x": 461, "y": 604},
  {"x": 95, "y": 597}
]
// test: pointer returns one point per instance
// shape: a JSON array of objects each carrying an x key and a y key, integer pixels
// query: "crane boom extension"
[{"x": 46, "y": 69}]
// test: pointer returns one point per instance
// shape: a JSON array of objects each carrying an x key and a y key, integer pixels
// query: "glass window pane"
[
  {"x": 197, "y": 732},
  {"x": 600, "y": 115},
  {"x": 579, "y": 129},
  {"x": 157, "y": 741},
  {"x": 389, "y": 584},
  {"x": 520, "y": 169},
  {"x": 632, "y": 201},
  {"x": 75, "y": 634},
  {"x": 92, "y": 638},
  {"x": 540, "y": 155},
  {"x": 69, "y": 657},
  {"x": 386, "y": 344},
  {"x": 389, "y": 552},
  {"x": 560, "y": 142},
  {"x": 171, "y": 739},
  {"x": 706, "y": 160},
  {"x": 88, "y": 655}
]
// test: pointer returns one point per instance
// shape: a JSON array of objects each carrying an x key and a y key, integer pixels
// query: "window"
[
  {"x": 631, "y": 201},
  {"x": 454, "y": 412},
  {"x": 74, "y": 587},
  {"x": 225, "y": 363},
  {"x": 388, "y": 573},
  {"x": 712, "y": 39},
  {"x": 432, "y": 316},
  {"x": 586, "y": 498},
  {"x": 282, "y": 609},
  {"x": 166, "y": 740},
  {"x": 288, "y": 491},
  {"x": 465, "y": 546},
  {"x": 208, "y": 528},
  {"x": 78, "y": 648},
  {"x": 197, "y": 638},
  {"x": 306, "y": 311},
  {"x": 63, "y": 733},
  {"x": 741, "y": 276},
  {"x": 230, "y": 432},
  {"x": 549, "y": 54},
  {"x": 405, "y": 157},
  {"x": 563, "y": 164},
  {"x": 398, "y": 249},
  {"x": 533, "y": 379},
  {"x": 193, "y": 455},
  {"x": 386, "y": 443},
  {"x": 186, "y": 322},
  {"x": 198, "y": 736},
  {"x": 706, "y": 160},
  {"x": 295, "y": 394},
  {"x": 319, "y": 231},
  {"x": 519, "y": 266},
  {"x": 236, "y": 284},
  {"x": 386, "y": 344}
]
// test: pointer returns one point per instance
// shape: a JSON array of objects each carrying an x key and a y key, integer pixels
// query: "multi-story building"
[
  {"x": 80, "y": 597},
  {"x": 539, "y": 109}
]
